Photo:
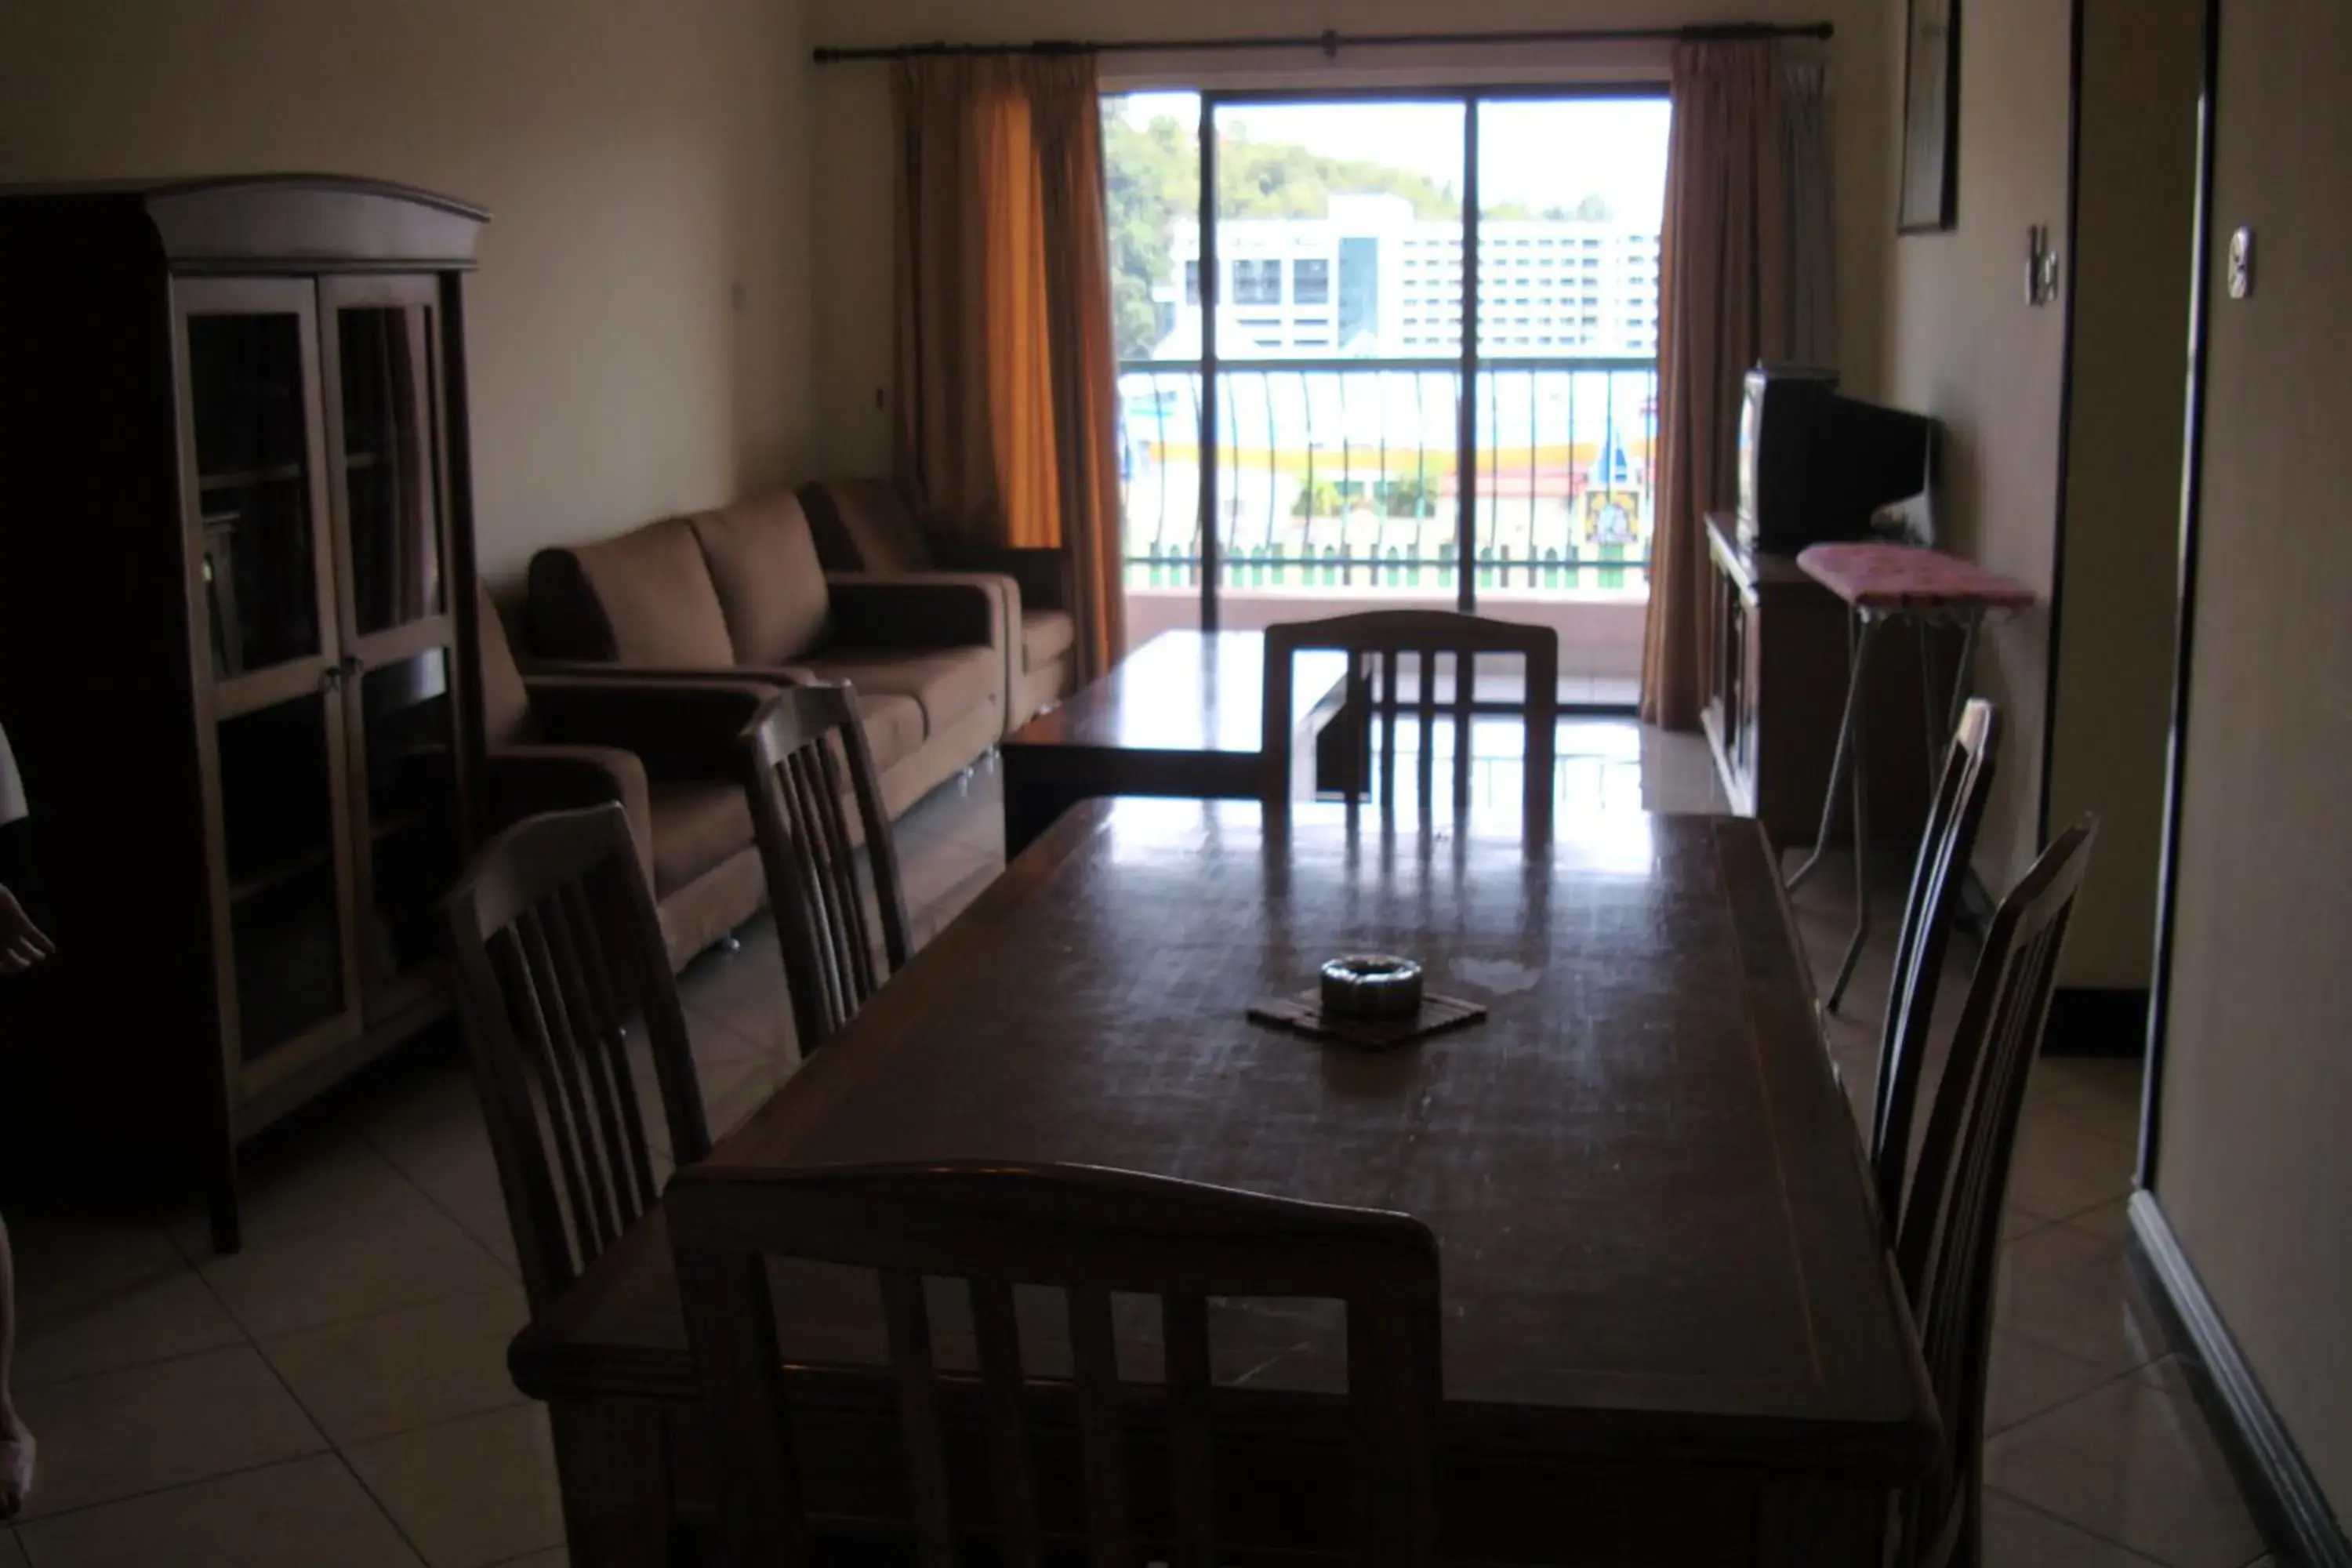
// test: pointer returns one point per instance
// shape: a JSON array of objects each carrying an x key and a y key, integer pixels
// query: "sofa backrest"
[
  {"x": 865, "y": 525},
  {"x": 642, "y": 598},
  {"x": 770, "y": 584}
]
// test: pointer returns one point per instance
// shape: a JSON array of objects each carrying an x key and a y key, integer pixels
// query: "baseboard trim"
[
  {"x": 2097, "y": 1021},
  {"x": 2279, "y": 1486}
]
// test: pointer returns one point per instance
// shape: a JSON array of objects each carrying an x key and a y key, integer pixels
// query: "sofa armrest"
[
  {"x": 523, "y": 781},
  {"x": 537, "y": 671},
  {"x": 1042, "y": 573},
  {"x": 677, "y": 729},
  {"x": 929, "y": 609}
]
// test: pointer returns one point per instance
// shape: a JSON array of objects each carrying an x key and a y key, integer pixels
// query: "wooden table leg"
[
  {"x": 1030, "y": 806},
  {"x": 611, "y": 1459}
]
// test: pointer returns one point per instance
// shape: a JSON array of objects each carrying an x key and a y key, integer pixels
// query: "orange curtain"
[
  {"x": 1723, "y": 294},
  {"x": 1007, "y": 384}
]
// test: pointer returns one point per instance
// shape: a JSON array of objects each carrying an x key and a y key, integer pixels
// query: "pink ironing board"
[{"x": 1881, "y": 583}]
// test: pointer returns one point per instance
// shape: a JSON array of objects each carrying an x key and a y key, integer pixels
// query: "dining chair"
[
  {"x": 1089, "y": 1233},
  {"x": 558, "y": 950},
  {"x": 1376, "y": 643},
  {"x": 1946, "y": 848},
  {"x": 1947, "y": 1245},
  {"x": 795, "y": 753}
]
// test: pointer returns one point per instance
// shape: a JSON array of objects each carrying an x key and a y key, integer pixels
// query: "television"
[{"x": 1815, "y": 466}]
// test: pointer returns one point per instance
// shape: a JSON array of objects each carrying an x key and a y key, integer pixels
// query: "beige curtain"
[
  {"x": 1007, "y": 386},
  {"x": 1812, "y": 206},
  {"x": 1724, "y": 261}
]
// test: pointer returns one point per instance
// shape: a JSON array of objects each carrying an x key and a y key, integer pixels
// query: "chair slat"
[
  {"x": 1388, "y": 733},
  {"x": 590, "y": 1051},
  {"x": 571, "y": 1073},
  {"x": 1089, "y": 1233},
  {"x": 1389, "y": 635},
  {"x": 1945, "y": 850},
  {"x": 612, "y": 1035},
  {"x": 558, "y": 1103},
  {"x": 794, "y": 756},
  {"x": 1425, "y": 768},
  {"x": 1466, "y": 705},
  {"x": 814, "y": 893},
  {"x": 999, "y": 1340},
  {"x": 907, "y": 1321},
  {"x": 550, "y": 929},
  {"x": 1094, "y": 1356},
  {"x": 1191, "y": 1480},
  {"x": 1946, "y": 1240},
  {"x": 1356, "y": 711},
  {"x": 854, "y": 932}
]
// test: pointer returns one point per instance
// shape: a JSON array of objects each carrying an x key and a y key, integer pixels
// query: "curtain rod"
[{"x": 1331, "y": 43}]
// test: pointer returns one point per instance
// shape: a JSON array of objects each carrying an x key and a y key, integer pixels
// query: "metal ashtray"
[{"x": 1371, "y": 985}]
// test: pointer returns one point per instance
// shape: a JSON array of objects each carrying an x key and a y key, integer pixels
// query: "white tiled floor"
[{"x": 337, "y": 1394}]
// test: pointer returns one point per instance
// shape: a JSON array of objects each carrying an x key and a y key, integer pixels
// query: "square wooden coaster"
[{"x": 1303, "y": 1014}]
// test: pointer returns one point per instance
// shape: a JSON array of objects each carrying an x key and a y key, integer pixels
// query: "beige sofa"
[
  {"x": 666, "y": 750},
  {"x": 865, "y": 525},
  {"x": 739, "y": 594}
]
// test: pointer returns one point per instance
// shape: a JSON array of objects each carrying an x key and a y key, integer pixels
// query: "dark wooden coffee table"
[{"x": 1180, "y": 716}]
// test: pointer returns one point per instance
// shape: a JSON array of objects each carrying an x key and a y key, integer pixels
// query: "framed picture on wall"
[{"x": 1931, "y": 98}]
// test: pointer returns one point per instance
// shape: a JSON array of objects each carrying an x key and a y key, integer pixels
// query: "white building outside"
[{"x": 1369, "y": 279}]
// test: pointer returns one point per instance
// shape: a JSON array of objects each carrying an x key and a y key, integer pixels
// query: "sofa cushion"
[
  {"x": 764, "y": 566},
  {"x": 644, "y": 599},
  {"x": 696, "y": 824},
  {"x": 1045, "y": 636},
  {"x": 949, "y": 682},
  {"x": 865, "y": 525},
  {"x": 894, "y": 727}
]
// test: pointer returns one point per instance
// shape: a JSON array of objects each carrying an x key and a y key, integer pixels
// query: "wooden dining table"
[{"x": 1671, "y": 1331}]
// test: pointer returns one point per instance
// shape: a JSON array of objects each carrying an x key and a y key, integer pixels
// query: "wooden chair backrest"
[
  {"x": 1088, "y": 1232},
  {"x": 1946, "y": 848},
  {"x": 1947, "y": 1241},
  {"x": 795, "y": 753},
  {"x": 558, "y": 949},
  {"x": 1382, "y": 638}
]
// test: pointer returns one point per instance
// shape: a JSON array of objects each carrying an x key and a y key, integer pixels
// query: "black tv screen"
[{"x": 1815, "y": 466}]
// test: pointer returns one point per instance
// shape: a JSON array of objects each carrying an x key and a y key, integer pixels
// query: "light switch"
[
  {"x": 2241, "y": 263},
  {"x": 2040, "y": 266}
]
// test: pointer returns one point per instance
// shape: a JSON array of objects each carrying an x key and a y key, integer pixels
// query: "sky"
[{"x": 1539, "y": 152}]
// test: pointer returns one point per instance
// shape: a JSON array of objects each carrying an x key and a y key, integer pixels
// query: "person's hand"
[{"x": 22, "y": 943}]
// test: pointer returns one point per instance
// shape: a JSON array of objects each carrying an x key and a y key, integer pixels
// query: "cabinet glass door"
[
  {"x": 383, "y": 382},
  {"x": 261, "y": 574}
]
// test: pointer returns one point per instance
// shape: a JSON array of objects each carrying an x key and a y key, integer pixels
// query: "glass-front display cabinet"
[{"x": 240, "y": 640}]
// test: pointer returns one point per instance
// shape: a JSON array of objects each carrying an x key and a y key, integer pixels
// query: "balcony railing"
[{"x": 1346, "y": 473}]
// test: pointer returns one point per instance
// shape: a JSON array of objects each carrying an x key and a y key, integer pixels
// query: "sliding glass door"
[
  {"x": 1405, "y": 352},
  {"x": 1335, "y": 348}
]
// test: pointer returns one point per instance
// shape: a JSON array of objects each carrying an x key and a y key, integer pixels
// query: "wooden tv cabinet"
[{"x": 1776, "y": 680}]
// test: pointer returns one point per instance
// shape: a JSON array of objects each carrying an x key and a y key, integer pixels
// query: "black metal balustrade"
[{"x": 1335, "y": 474}]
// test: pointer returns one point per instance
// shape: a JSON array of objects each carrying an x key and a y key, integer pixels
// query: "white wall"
[
  {"x": 642, "y": 160},
  {"x": 1961, "y": 343},
  {"x": 2119, "y": 596},
  {"x": 2253, "y": 1167},
  {"x": 852, "y": 131}
]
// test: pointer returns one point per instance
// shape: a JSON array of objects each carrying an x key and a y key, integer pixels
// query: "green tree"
[{"x": 1150, "y": 174}]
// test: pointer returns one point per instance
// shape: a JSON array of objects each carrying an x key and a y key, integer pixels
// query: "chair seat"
[
  {"x": 696, "y": 824},
  {"x": 1045, "y": 636},
  {"x": 1905, "y": 577},
  {"x": 949, "y": 683}
]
